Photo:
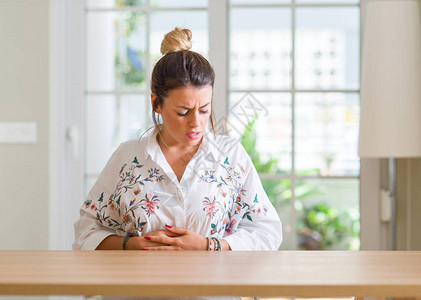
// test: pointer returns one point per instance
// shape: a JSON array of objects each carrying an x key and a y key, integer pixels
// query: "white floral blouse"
[{"x": 220, "y": 195}]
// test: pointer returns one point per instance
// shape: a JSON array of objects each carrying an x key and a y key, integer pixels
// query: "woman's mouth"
[{"x": 193, "y": 135}]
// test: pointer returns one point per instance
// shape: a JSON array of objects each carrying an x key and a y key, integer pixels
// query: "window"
[
  {"x": 293, "y": 73},
  {"x": 123, "y": 42}
]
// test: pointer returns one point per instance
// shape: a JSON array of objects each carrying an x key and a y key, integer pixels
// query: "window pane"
[
  {"x": 89, "y": 183},
  {"x": 116, "y": 50},
  {"x": 269, "y": 140},
  {"x": 153, "y": 3},
  {"x": 327, "y": 134},
  {"x": 279, "y": 193},
  {"x": 113, "y": 3},
  {"x": 260, "y": 2},
  {"x": 163, "y": 22},
  {"x": 179, "y": 3},
  {"x": 110, "y": 121},
  {"x": 260, "y": 48},
  {"x": 328, "y": 214},
  {"x": 327, "y": 48},
  {"x": 327, "y": 1}
]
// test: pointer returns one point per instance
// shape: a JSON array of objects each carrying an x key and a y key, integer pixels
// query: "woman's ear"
[{"x": 153, "y": 99}]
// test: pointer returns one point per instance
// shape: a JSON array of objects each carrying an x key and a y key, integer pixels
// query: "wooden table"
[{"x": 264, "y": 274}]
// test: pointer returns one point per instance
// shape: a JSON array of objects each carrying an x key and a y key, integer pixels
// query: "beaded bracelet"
[
  {"x": 126, "y": 238},
  {"x": 217, "y": 244},
  {"x": 211, "y": 245}
]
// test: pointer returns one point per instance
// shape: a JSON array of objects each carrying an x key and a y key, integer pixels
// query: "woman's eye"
[{"x": 185, "y": 114}]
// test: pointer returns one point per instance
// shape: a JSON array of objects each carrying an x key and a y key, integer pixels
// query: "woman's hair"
[{"x": 179, "y": 67}]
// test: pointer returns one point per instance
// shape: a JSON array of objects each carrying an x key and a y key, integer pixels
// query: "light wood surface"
[{"x": 185, "y": 273}]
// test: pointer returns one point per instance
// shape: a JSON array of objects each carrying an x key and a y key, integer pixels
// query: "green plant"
[
  {"x": 319, "y": 226},
  {"x": 128, "y": 60},
  {"x": 120, "y": 3}
]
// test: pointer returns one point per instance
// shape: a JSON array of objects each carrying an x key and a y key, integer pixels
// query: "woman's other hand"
[
  {"x": 140, "y": 243},
  {"x": 177, "y": 238}
]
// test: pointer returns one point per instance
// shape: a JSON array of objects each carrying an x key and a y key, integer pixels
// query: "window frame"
[{"x": 293, "y": 177}]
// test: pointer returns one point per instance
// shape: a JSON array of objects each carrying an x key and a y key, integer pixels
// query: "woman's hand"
[
  {"x": 162, "y": 232},
  {"x": 177, "y": 238},
  {"x": 140, "y": 243}
]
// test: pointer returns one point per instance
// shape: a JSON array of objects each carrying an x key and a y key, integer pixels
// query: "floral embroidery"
[
  {"x": 210, "y": 206},
  {"x": 88, "y": 203},
  {"x": 230, "y": 226},
  {"x": 232, "y": 182},
  {"x": 213, "y": 229},
  {"x": 109, "y": 214},
  {"x": 218, "y": 210},
  {"x": 209, "y": 176},
  {"x": 256, "y": 209},
  {"x": 154, "y": 173},
  {"x": 262, "y": 209},
  {"x": 150, "y": 204}
]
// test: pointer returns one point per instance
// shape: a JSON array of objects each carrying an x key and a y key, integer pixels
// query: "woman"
[{"x": 182, "y": 187}]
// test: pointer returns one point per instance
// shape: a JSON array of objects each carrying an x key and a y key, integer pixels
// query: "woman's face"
[{"x": 185, "y": 114}]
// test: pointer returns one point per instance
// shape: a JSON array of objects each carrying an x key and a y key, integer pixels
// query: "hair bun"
[{"x": 176, "y": 40}]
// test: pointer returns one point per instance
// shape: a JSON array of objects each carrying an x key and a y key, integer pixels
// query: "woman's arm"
[
  {"x": 225, "y": 246},
  {"x": 115, "y": 242},
  {"x": 112, "y": 242}
]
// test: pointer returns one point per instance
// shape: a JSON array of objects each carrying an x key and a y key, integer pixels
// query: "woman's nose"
[{"x": 194, "y": 119}]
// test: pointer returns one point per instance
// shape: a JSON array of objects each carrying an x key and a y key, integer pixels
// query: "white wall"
[{"x": 24, "y": 88}]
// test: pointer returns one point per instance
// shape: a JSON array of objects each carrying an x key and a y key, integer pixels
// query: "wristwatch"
[{"x": 126, "y": 238}]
